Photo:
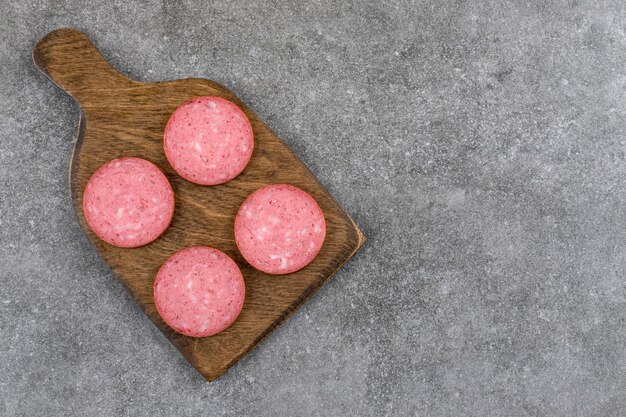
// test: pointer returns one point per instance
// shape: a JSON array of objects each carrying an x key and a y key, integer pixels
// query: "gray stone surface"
[{"x": 480, "y": 145}]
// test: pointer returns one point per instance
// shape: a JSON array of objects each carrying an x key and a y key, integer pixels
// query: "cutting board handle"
[{"x": 71, "y": 61}]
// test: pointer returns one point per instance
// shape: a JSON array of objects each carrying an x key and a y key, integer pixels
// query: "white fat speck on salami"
[
  {"x": 199, "y": 291},
  {"x": 208, "y": 140},
  {"x": 128, "y": 202},
  {"x": 279, "y": 229}
]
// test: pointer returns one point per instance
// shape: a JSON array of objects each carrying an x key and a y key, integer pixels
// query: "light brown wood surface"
[{"x": 122, "y": 117}]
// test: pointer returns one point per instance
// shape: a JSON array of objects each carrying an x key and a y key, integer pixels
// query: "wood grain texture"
[{"x": 122, "y": 117}]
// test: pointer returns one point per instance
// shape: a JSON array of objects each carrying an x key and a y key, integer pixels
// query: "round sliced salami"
[
  {"x": 199, "y": 291},
  {"x": 279, "y": 229},
  {"x": 208, "y": 140},
  {"x": 128, "y": 202}
]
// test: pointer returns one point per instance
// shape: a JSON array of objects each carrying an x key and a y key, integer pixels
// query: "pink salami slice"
[
  {"x": 199, "y": 291},
  {"x": 128, "y": 202},
  {"x": 279, "y": 229},
  {"x": 208, "y": 140}
]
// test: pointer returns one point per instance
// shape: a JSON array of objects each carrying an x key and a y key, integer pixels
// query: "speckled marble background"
[{"x": 480, "y": 145}]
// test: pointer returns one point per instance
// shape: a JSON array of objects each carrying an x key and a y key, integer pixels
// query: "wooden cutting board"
[{"x": 122, "y": 117}]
